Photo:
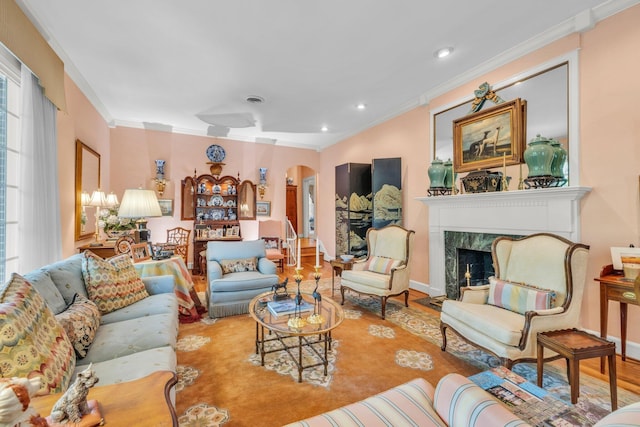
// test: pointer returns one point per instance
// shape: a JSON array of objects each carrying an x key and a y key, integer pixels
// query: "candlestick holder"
[
  {"x": 297, "y": 322},
  {"x": 316, "y": 317}
]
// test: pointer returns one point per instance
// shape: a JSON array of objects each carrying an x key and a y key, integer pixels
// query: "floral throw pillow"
[
  {"x": 519, "y": 297},
  {"x": 33, "y": 344},
  {"x": 238, "y": 265},
  {"x": 80, "y": 321},
  {"x": 112, "y": 283}
]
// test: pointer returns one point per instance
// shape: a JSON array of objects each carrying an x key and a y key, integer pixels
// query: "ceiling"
[{"x": 189, "y": 66}]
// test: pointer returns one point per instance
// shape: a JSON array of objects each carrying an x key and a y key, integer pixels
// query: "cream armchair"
[
  {"x": 385, "y": 272},
  {"x": 545, "y": 261}
]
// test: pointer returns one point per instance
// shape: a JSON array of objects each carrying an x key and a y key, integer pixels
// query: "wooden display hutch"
[{"x": 216, "y": 205}]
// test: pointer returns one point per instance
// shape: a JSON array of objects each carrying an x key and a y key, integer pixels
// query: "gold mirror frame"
[
  {"x": 87, "y": 179},
  {"x": 247, "y": 200}
]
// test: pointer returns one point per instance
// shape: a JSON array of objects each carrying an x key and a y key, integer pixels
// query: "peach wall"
[
  {"x": 81, "y": 121},
  {"x": 134, "y": 152},
  {"x": 404, "y": 137},
  {"x": 610, "y": 151}
]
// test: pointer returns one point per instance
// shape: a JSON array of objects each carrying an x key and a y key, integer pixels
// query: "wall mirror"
[
  {"x": 551, "y": 109},
  {"x": 247, "y": 200},
  {"x": 187, "y": 207},
  {"x": 87, "y": 181}
]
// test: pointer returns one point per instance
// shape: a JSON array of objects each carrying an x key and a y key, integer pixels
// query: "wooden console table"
[
  {"x": 614, "y": 287},
  {"x": 103, "y": 250},
  {"x": 133, "y": 403}
]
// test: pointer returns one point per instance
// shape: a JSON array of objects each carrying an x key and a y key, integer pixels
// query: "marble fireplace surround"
[{"x": 520, "y": 212}]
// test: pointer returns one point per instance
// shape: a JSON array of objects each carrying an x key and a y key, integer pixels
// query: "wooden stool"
[{"x": 575, "y": 345}]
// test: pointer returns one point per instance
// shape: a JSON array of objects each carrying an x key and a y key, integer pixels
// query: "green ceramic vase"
[
  {"x": 559, "y": 159},
  {"x": 449, "y": 176},
  {"x": 539, "y": 157},
  {"x": 437, "y": 173}
]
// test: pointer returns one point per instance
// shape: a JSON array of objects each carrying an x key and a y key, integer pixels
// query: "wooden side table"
[
  {"x": 140, "y": 402},
  {"x": 575, "y": 345},
  {"x": 614, "y": 287},
  {"x": 103, "y": 250},
  {"x": 338, "y": 266}
]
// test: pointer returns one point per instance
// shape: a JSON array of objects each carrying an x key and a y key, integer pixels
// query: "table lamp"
[
  {"x": 99, "y": 200},
  {"x": 140, "y": 203}
]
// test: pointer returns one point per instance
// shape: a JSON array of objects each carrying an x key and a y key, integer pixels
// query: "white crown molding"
[{"x": 561, "y": 30}]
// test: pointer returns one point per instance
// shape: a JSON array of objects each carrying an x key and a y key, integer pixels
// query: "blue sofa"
[
  {"x": 131, "y": 342},
  {"x": 229, "y": 292}
]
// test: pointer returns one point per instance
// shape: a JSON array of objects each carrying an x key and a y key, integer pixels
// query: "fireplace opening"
[{"x": 479, "y": 264}]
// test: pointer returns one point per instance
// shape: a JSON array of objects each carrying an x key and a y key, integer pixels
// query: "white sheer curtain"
[{"x": 39, "y": 235}]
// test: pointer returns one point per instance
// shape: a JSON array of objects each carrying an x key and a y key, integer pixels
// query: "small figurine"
[
  {"x": 72, "y": 406},
  {"x": 280, "y": 290}
]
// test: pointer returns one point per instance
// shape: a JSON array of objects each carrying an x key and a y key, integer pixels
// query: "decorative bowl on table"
[{"x": 346, "y": 258}]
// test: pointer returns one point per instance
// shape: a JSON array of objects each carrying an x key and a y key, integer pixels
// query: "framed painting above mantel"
[{"x": 490, "y": 138}]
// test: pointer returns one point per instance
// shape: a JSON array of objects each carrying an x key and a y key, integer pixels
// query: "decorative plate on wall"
[{"x": 216, "y": 153}]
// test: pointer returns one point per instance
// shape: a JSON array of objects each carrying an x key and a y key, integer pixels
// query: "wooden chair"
[
  {"x": 178, "y": 242},
  {"x": 271, "y": 232}
]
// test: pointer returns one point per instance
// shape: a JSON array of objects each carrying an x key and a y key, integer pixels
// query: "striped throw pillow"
[
  {"x": 113, "y": 283},
  {"x": 519, "y": 297},
  {"x": 380, "y": 264},
  {"x": 33, "y": 343}
]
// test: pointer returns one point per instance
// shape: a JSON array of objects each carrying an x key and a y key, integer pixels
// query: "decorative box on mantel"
[{"x": 520, "y": 212}]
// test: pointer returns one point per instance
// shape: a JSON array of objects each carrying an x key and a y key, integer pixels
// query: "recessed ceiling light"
[
  {"x": 324, "y": 128},
  {"x": 361, "y": 106},
  {"x": 254, "y": 99},
  {"x": 441, "y": 53}
]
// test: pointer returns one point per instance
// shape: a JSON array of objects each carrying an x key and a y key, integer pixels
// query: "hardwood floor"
[{"x": 628, "y": 372}]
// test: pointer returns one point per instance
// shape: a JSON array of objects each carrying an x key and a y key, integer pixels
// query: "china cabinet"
[{"x": 212, "y": 203}]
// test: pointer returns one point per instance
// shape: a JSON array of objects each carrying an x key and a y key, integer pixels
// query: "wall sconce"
[
  {"x": 161, "y": 183},
  {"x": 262, "y": 187}
]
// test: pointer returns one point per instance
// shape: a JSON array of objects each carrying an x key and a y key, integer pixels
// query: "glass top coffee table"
[{"x": 314, "y": 333}]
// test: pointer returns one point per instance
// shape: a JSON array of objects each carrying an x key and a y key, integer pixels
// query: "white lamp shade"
[
  {"x": 98, "y": 199},
  {"x": 112, "y": 199},
  {"x": 139, "y": 203},
  {"x": 85, "y": 198}
]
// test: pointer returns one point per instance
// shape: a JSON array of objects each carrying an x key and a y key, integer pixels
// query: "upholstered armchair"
[
  {"x": 385, "y": 271},
  {"x": 538, "y": 286},
  {"x": 236, "y": 272}
]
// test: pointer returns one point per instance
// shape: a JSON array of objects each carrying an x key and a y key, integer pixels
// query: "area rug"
[{"x": 221, "y": 380}]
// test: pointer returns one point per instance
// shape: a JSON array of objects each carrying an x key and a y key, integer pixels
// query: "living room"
[{"x": 606, "y": 155}]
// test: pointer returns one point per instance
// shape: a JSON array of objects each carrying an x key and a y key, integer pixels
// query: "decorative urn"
[
  {"x": 559, "y": 159},
  {"x": 449, "y": 176},
  {"x": 436, "y": 173},
  {"x": 539, "y": 157}
]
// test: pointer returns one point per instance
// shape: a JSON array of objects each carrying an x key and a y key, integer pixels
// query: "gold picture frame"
[{"x": 490, "y": 138}]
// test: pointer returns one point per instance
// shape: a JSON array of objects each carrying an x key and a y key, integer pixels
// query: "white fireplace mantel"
[{"x": 521, "y": 212}]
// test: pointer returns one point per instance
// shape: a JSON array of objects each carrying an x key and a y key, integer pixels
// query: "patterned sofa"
[
  {"x": 456, "y": 401},
  {"x": 126, "y": 328}
]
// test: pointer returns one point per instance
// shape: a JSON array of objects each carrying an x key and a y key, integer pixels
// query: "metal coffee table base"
[{"x": 303, "y": 341}]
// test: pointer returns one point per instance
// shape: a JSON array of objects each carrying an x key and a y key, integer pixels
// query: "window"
[{"x": 9, "y": 162}]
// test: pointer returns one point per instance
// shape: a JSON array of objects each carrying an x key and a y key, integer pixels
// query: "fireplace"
[
  {"x": 467, "y": 249},
  {"x": 482, "y": 217}
]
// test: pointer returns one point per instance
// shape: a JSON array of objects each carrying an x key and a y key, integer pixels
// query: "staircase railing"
[{"x": 291, "y": 239}]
